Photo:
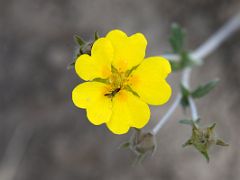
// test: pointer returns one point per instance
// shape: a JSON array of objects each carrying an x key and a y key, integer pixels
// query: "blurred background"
[{"x": 43, "y": 136}]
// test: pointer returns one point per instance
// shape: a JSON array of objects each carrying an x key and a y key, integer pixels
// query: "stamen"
[{"x": 117, "y": 81}]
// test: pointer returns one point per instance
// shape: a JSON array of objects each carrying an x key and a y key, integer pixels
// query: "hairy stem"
[
  {"x": 193, "y": 109},
  {"x": 167, "y": 115},
  {"x": 200, "y": 53}
]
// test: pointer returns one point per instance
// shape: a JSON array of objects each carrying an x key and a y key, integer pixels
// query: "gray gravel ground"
[{"x": 58, "y": 142}]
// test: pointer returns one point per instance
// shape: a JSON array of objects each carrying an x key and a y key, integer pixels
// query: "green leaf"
[
  {"x": 177, "y": 43},
  {"x": 186, "y": 121},
  {"x": 185, "y": 94},
  {"x": 79, "y": 40},
  {"x": 100, "y": 80},
  {"x": 175, "y": 65},
  {"x": 185, "y": 59},
  {"x": 177, "y": 38},
  {"x": 184, "y": 62},
  {"x": 189, "y": 121},
  {"x": 204, "y": 89}
]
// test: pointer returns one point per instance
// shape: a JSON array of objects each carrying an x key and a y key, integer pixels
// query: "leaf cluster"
[{"x": 177, "y": 42}]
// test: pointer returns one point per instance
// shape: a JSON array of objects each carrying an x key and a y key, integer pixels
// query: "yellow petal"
[
  {"x": 117, "y": 37},
  {"x": 128, "y": 111},
  {"x": 98, "y": 65},
  {"x": 90, "y": 95},
  {"x": 148, "y": 80},
  {"x": 102, "y": 51},
  {"x": 85, "y": 93},
  {"x": 100, "y": 110},
  {"x": 128, "y": 51}
]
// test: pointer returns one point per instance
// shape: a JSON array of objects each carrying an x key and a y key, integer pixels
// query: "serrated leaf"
[
  {"x": 204, "y": 89},
  {"x": 177, "y": 38}
]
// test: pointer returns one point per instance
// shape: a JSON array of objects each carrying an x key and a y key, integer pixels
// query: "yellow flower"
[{"x": 121, "y": 82}]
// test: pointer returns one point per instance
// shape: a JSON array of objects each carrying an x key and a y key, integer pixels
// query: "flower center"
[{"x": 117, "y": 82}]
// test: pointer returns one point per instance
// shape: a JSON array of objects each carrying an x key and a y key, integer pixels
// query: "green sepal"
[
  {"x": 220, "y": 142},
  {"x": 202, "y": 90},
  {"x": 96, "y": 36},
  {"x": 203, "y": 139},
  {"x": 100, "y": 80},
  {"x": 187, "y": 143},
  {"x": 141, "y": 144},
  {"x": 128, "y": 88},
  {"x": 113, "y": 69},
  {"x": 79, "y": 40},
  {"x": 71, "y": 65},
  {"x": 83, "y": 47},
  {"x": 205, "y": 154}
]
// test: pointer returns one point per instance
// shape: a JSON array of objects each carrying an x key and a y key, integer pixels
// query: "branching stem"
[{"x": 200, "y": 53}]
